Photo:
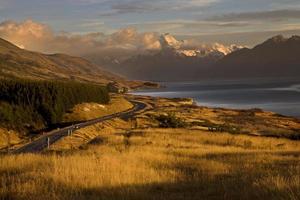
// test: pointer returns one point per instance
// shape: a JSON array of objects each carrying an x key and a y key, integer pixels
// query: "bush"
[
  {"x": 170, "y": 121},
  {"x": 295, "y": 136}
]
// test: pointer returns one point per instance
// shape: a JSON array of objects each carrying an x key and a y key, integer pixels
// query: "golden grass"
[
  {"x": 81, "y": 137},
  {"x": 111, "y": 160},
  {"x": 252, "y": 122},
  {"x": 87, "y": 111},
  {"x": 158, "y": 164},
  {"x": 8, "y": 138}
]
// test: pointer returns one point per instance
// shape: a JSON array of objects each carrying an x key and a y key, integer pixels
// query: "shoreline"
[
  {"x": 280, "y": 98},
  {"x": 194, "y": 102}
]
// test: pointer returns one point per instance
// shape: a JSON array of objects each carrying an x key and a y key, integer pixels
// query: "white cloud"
[
  {"x": 120, "y": 44},
  {"x": 39, "y": 37}
]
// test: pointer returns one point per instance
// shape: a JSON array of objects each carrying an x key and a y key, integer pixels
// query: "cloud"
[
  {"x": 191, "y": 23},
  {"x": 287, "y": 4},
  {"x": 143, "y": 6},
  {"x": 4, "y": 4},
  {"x": 39, "y": 37},
  {"x": 92, "y": 23},
  {"x": 87, "y": 2},
  {"x": 97, "y": 46},
  {"x": 192, "y": 26},
  {"x": 27, "y": 33},
  {"x": 126, "y": 42},
  {"x": 244, "y": 38},
  {"x": 262, "y": 15}
]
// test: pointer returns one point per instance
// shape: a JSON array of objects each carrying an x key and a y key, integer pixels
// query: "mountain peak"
[
  {"x": 276, "y": 57},
  {"x": 168, "y": 41},
  {"x": 294, "y": 38},
  {"x": 277, "y": 39}
]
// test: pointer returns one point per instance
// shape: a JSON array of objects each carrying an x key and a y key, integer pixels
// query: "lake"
[{"x": 281, "y": 96}]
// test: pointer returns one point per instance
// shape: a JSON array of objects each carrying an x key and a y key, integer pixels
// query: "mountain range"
[
  {"x": 175, "y": 61},
  {"x": 276, "y": 57}
]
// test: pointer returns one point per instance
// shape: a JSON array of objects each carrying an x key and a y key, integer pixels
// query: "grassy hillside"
[
  {"x": 20, "y": 63},
  {"x": 87, "y": 111}
]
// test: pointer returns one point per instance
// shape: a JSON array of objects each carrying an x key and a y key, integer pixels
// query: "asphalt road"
[{"x": 53, "y": 136}]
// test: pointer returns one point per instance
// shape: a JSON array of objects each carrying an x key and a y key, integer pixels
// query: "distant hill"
[
  {"x": 276, "y": 57},
  {"x": 17, "y": 62}
]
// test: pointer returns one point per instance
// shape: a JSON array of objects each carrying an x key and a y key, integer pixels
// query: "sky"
[{"x": 243, "y": 22}]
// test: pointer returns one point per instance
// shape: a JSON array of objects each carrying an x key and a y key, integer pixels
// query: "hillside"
[
  {"x": 276, "y": 57},
  {"x": 17, "y": 62},
  {"x": 32, "y": 105}
]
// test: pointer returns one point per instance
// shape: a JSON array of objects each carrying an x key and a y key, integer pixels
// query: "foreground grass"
[{"x": 158, "y": 164}]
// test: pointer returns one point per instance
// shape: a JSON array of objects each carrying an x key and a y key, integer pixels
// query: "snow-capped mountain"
[
  {"x": 170, "y": 43},
  {"x": 167, "y": 41},
  {"x": 174, "y": 57}
]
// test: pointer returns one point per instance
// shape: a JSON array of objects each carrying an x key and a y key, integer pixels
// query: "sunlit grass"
[
  {"x": 8, "y": 138},
  {"x": 159, "y": 164},
  {"x": 87, "y": 111}
]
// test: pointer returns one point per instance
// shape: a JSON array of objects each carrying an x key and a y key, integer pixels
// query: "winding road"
[{"x": 53, "y": 136}]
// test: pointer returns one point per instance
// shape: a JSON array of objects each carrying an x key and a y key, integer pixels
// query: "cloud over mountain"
[
  {"x": 122, "y": 43},
  {"x": 39, "y": 37}
]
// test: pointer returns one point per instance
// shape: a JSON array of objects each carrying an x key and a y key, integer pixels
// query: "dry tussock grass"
[
  {"x": 159, "y": 164},
  {"x": 8, "y": 138},
  {"x": 252, "y": 122}
]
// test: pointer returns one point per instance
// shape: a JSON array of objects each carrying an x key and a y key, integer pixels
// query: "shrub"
[{"x": 170, "y": 121}]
